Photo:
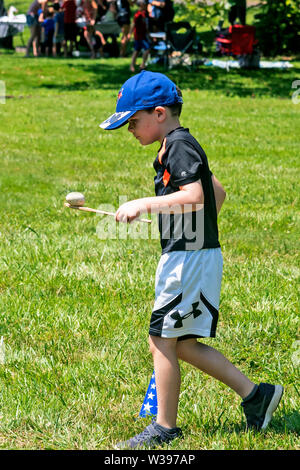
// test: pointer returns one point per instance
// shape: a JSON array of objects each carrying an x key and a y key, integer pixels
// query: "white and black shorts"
[{"x": 187, "y": 294}]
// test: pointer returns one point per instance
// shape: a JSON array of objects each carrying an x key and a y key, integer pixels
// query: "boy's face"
[{"x": 145, "y": 127}]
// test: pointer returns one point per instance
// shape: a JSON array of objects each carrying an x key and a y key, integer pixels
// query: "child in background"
[
  {"x": 48, "y": 31},
  {"x": 42, "y": 12},
  {"x": 70, "y": 27},
  {"x": 140, "y": 30},
  {"x": 58, "y": 38}
]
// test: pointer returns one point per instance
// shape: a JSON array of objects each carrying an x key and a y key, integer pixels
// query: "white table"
[{"x": 12, "y": 25}]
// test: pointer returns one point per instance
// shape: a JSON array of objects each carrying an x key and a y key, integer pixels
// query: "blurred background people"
[
  {"x": 123, "y": 19},
  {"x": 48, "y": 31},
  {"x": 156, "y": 15},
  {"x": 90, "y": 11},
  {"x": 70, "y": 27},
  {"x": 140, "y": 31},
  {"x": 58, "y": 38},
  {"x": 32, "y": 19}
]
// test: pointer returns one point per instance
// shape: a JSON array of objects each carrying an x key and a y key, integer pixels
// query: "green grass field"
[{"x": 74, "y": 308}]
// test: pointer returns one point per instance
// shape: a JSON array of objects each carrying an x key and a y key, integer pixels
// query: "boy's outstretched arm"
[
  {"x": 189, "y": 198},
  {"x": 219, "y": 191}
]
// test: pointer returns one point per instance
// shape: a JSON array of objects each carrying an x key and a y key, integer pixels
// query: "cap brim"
[{"x": 117, "y": 120}]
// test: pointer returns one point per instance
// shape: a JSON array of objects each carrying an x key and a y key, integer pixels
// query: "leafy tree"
[
  {"x": 200, "y": 12},
  {"x": 278, "y": 27}
]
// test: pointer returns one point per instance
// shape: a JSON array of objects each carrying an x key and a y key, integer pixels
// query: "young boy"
[
  {"x": 188, "y": 276},
  {"x": 48, "y": 26},
  {"x": 140, "y": 30}
]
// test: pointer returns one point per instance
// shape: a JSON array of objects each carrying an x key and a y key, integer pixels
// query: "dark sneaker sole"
[{"x": 272, "y": 405}]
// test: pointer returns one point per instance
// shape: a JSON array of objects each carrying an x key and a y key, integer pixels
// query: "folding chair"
[{"x": 181, "y": 43}]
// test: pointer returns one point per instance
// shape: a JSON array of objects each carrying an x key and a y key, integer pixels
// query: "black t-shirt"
[{"x": 180, "y": 161}]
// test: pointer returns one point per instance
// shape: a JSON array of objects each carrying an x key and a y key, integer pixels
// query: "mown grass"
[{"x": 74, "y": 308}]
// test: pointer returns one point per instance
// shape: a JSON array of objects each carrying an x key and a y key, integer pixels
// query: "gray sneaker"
[
  {"x": 260, "y": 405},
  {"x": 152, "y": 436}
]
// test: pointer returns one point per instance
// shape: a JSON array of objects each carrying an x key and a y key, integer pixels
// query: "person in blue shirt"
[
  {"x": 156, "y": 15},
  {"x": 48, "y": 27}
]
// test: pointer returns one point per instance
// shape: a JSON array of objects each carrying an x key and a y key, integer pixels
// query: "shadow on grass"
[
  {"x": 236, "y": 82},
  {"x": 281, "y": 424}
]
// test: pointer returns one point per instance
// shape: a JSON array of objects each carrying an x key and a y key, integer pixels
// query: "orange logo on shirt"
[
  {"x": 166, "y": 177},
  {"x": 162, "y": 151}
]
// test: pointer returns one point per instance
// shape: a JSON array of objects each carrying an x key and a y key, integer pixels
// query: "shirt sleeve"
[{"x": 184, "y": 163}]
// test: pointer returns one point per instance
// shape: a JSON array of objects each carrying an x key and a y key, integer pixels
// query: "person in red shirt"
[
  {"x": 70, "y": 27},
  {"x": 140, "y": 31}
]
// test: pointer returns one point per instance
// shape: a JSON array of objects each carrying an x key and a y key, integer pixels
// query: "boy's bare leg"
[
  {"x": 212, "y": 362},
  {"x": 167, "y": 379}
]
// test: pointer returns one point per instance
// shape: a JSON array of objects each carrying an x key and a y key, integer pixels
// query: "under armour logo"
[{"x": 176, "y": 316}]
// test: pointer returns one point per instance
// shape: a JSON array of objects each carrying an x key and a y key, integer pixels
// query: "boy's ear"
[{"x": 161, "y": 113}]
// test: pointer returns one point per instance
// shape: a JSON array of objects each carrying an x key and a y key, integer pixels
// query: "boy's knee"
[
  {"x": 183, "y": 347},
  {"x": 161, "y": 345},
  {"x": 152, "y": 346}
]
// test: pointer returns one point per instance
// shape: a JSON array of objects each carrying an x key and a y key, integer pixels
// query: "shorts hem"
[{"x": 194, "y": 333}]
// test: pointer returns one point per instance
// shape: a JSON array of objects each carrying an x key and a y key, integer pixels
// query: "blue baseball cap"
[{"x": 142, "y": 91}]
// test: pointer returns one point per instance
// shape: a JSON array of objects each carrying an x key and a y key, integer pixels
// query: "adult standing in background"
[
  {"x": 123, "y": 19},
  {"x": 90, "y": 10},
  {"x": 32, "y": 19},
  {"x": 237, "y": 10},
  {"x": 70, "y": 27},
  {"x": 101, "y": 9},
  {"x": 2, "y": 8},
  {"x": 169, "y": 11},
  {"x": 156, "y": 15}
]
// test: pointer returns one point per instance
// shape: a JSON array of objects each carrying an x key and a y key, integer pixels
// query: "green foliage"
[
  {"x": 278, "y": 27},
  {"x": 200, "y": 12}
]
